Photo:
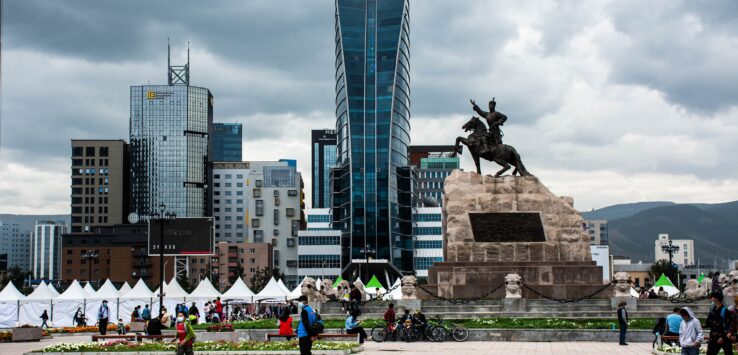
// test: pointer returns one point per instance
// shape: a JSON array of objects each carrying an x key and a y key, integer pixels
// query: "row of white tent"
[{"x": 17, "y": 309}]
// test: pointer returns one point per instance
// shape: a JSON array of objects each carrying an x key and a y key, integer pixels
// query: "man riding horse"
[{"x": 494, "y": 121}]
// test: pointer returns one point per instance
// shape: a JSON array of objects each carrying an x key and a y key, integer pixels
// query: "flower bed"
[
  {"x": 123, "y": 346},
  {"x": 86, "y": 329},
  {"x": 222, "y": 327},
  {"x": 668, "y": 349},
  {"x": 6, "y": 337}
]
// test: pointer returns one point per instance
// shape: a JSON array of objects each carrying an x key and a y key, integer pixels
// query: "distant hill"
[
  {"x": 27, "y": 221},
  {"x": 623, "y": 210},
  {"x": 714, "y": 229}
]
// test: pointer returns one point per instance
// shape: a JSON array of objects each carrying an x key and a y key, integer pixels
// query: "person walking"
[
  {"x": 44, "y": 318},
  {"x": 79, "y": 317},
  {"x": 690, "y": 332},
  {"x": 185, "y": 335},
  {"x": 194, "y": 312},
  {"x": 353, "y": 325},
  {"x": 304, "y": 328},
  {"x": 103, "y": 314},
  {"x": 719, "y": 320},
  {"x": 622, "y": 322}
]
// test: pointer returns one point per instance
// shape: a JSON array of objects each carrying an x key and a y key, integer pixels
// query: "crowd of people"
[
  {"x": 651, "y": 293},
  {"x": 683, "y": 328}
]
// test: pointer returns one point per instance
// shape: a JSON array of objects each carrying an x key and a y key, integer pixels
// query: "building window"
[
  {"x": 290, "y": 242},
  {"x": 259, "y": 207},
  {"x": 290, "y": 212},
  {"x": 292, "y": 193},
  {"x": 256, "y": 193},
  {"x": 258, "y": 183},
  {"x": 258, "y": 236},
  {"x": 255, "y": 222},
  {"x": 276, "y": 217}
]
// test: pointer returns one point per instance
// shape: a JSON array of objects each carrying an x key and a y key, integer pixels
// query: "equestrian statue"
[{"x": 487, "y": 144}]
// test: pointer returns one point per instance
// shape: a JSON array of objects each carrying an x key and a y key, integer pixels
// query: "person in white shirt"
[{"x": 690, "y": 332}]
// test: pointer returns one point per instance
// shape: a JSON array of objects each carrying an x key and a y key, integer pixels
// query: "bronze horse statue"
[{"x": 502, "y": 154}]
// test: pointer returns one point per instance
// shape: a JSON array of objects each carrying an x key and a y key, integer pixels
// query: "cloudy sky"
[{"x": 608, "y": 101}]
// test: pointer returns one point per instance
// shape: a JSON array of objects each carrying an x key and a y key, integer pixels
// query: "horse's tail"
[{"x": 519, "y": 164}]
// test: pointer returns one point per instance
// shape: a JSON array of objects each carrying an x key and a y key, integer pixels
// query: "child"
[{"x": 121, "y": 326}]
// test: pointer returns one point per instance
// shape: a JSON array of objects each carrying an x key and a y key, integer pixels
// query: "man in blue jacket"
[{"x": 307, "y": 318}]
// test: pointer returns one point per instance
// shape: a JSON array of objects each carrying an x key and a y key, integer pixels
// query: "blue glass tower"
[
  {"x": 371, "y": 202},
  {"x": 227, "y": 141}
]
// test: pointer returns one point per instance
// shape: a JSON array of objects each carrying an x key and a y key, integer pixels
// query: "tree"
[
  {"x": 184, "y": 281},
  {"x": 663, "y": 267},
  {"x": 260, "y": 278},
  {"x": 237, "y": 274},
  {"x": 16, "y": 276},
  {"x": 277, "y": 274}
]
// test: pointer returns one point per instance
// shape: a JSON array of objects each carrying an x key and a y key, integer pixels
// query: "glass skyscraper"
[
  {"x": 323, "y": 159},
  {"x": 371, "y": 202},
  {"x": 227, "y": 142},
  {"x": 169, "y": 148}
]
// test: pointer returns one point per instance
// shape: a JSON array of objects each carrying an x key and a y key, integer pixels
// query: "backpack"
[
  {"x": 317, "y": 327},
  {"x": 660, "y": 327}
]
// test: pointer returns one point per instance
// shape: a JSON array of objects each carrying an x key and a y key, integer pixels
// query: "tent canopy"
[
  {"x": 42, "y": 293},
  {"x": 338, "y": 281},
  {"x": 74, "y": 292},
  {"x": 11, "y": 294},
  {"x": 89, "y": 289},
  {"x": 106, "y": 292},
  {"x": 205, "y": 290},
  {"x": 297, "y": 292},
  {"x": 238, "y": 291},
  {"x": 664, "y": 282},
  {"x": 52, "y": 289},
  {"x": 396, "y": 291},
  {"x": 140, "y": 291},
  {"x": 271, "y": 291},
  {"x": 124, "y": 289},
  {"x": 283, "y": 287},
  {"x": 174, "y": 290}
]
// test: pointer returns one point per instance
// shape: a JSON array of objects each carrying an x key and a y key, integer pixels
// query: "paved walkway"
[
  {"x": 20, "y": 348},
  {"x": 507, "y": 348}
]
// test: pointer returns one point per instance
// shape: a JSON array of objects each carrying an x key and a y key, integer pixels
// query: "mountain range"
[{"x": 633, "y": 228}]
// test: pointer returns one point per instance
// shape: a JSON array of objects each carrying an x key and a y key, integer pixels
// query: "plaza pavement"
[{"x": 422, "y": 348}]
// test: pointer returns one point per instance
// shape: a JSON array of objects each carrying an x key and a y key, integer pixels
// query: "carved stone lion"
[
  {"x": 732, "y": 289},
  {"x": 692, "y": 290},
  {"x": 308, "y": 289},
  {"x": 622, "y": 284},
  {"x": 326, "y": 290},
  {"x": 513, "y": 286},
  {"x": 408, "y": 288}
]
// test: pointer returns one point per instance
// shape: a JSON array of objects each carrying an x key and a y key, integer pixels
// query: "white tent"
[
  {"x": 52, "y": 289},
  {"x": 319, "y": 284},
  {"x": 10, "y": 299},
  {"x": 283, "y": 287},
  {"x": 106, "y": 292},
  {"x": 271, "y": 292},
  {"x": 139, "y": 291},
  {"x": 634, "y": 293},
  {"x": 239, "y": 292},
  {"x": 38, "y": 301},
  {"x": 204, "y": 290},
  {"x": 396, "y": 291},
  {"x": 66, "y": 304},
  {"x": 670, "y": 290},
  {"x": 139, "y": 295},
  {"x": 90, "y": 291},
  {"x": 124, "y": 289},
  {"x": 297, "y": 292},
  {"x": 174, "y": 290}
]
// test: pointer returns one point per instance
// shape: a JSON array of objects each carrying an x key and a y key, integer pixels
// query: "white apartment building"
[
  {"x": 319, "y": 246},
  {"x": 683, "y": 257},
  {"x": 46, "y": 249},
  {"x": 259, "y": 202},
  {"x": 428, "y": 238}
]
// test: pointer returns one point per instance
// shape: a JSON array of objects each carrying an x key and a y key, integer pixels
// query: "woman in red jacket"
[{"x": 285, "y": 325}]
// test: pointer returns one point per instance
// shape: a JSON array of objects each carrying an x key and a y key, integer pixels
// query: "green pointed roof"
[
  {"x": 663, "y": 281},
  {"x": 338, "y": 281},
  {"x": 374, "y": 283},
  {"x": 702, "y": 276}
]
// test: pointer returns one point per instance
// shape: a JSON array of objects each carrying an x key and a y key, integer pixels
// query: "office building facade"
[
  {"x": 428, "y": 235},
  {"x": 323, "y": 159},
  {"x": 319, "y": 246},
  {"x": 260, "y": 202},
  {"x": 373, "y": 133},
  {"x": 16, "y": 243},
  {"x": 434, "y": 163},
  {"x": 683, "y": 257},
  {"x": 46, "y": 249},
  {"x": 597, "y": 230},
  {"x": 227, "y": 142},
  {"x": 100, "y": 183},
  {"x": 170, "y": 146},
  {"x": 234, "y": 260}
]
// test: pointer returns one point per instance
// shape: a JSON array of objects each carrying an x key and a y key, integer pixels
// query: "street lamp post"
[
  {"x": 89, "y": 256},
  {"x": 162, "y": 217},
  {"x": 671, "y": 249}
]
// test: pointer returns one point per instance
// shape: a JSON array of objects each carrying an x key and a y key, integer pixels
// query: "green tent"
[
  {"x": 338, "y": 281},
  {"x": 663, "y": 281},
  {"x": 702, "y": 277},
  {"x": 373, "y": 283}
]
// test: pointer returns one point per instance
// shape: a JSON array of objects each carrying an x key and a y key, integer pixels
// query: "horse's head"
[{"x": 473, "y": 124}]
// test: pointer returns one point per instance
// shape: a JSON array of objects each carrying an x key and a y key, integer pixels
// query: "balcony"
[
  {"x": 142, "y": 263},
  {"x": 230, "y": 265},
  {"x": 232, "y": 254}
]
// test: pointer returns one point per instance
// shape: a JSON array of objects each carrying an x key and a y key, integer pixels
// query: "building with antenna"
[{"x": 170, "y": 129}]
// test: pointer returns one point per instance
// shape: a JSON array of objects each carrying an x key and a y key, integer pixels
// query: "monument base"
[{"x": 557, "y": 279}]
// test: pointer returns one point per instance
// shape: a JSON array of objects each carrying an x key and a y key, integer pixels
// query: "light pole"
[
  {"x": 89, "y": 256},
  {"x": 671, "y": 250},
  {"x": 162, "y": 217}
]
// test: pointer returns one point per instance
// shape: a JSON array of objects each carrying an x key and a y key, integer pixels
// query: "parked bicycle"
[
  {"x": 384, "y": 332},
  {"x": 443, "y": 328},
  {"x": 409, "y": 331}
]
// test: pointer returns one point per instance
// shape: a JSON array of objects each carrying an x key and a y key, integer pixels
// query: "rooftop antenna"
[
  {"x": 178, "y": 74},
  {"x": 188, "y": 63},
  {"x": 169, "y": 63}
]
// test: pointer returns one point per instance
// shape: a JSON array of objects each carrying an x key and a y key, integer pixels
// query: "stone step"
[{"x": 571, "y": 314}]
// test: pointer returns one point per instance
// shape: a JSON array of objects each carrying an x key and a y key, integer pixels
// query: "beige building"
[
  {"x": 228, "y": 259},
  {"x": 683, "y": 257},
  {"x": 99, "y": 183}
]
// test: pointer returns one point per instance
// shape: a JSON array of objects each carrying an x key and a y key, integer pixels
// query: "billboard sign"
[{"x": 182, "y": 236}]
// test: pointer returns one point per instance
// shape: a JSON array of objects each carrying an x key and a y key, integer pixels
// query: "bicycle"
[
  {"x": 441, "y": 331},
  {"x": 408, "y": 331},
  {"x": 381, "y": 333}
]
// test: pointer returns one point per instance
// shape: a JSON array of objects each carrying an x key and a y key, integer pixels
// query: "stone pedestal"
[
  {"x": 513, "y": 305},
  {"x": 556, "y": 261},
  {"x": 630, "y": 306}
]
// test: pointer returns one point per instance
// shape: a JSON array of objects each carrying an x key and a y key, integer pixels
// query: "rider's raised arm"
[{"x": 479, "y": 110}]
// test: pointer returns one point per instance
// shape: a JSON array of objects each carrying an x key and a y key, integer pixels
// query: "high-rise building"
[
  {"x": 170, "y": 145},
  {"x": 683, "y": 257},
  {"x": 227, "y": 142},
  {"x": 46, "y": 249},
  {"x": 428, "y": 231},
  {"x": 16, "y": 243},
  {"x": 234, "y": 258},
  {"x": 100, "y": 183},
  {"x": 597, "y": 230},
  {"x": 260, "y": 202},
  {"x": 324, "y": 158},
  {"x": 319, "y": 246},
  {"x": 433, "y": 164},
  {"x": 373, "y": 134}
]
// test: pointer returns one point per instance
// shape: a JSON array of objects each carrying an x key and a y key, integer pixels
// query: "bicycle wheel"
[
  {"x": 460, "y": 333},
  {"x": 379, "y": 333},
  {"x": 439, "y": 333},
  {"x": 428, "y": 333}
]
